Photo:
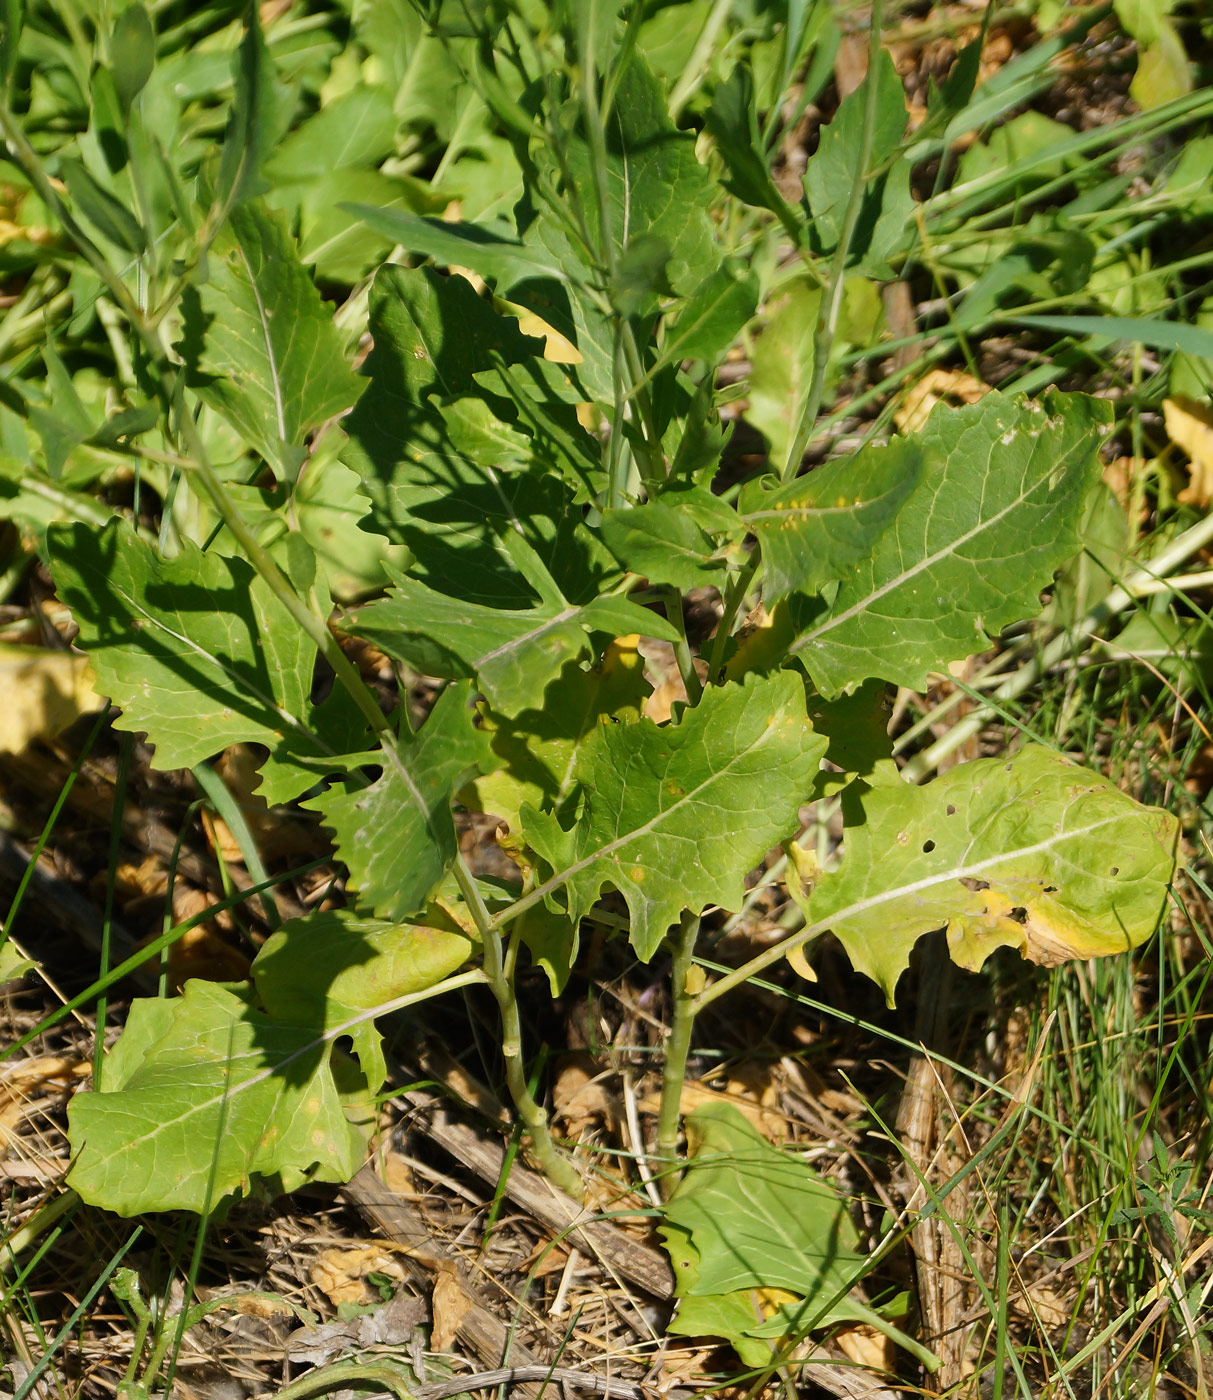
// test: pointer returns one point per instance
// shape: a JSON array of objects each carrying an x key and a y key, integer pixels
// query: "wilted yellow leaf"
[
  {"x": 1190, "y": 426},
  {"x": 44, "y": 692},
  {"x": 340, "y": 1274},
  {"x": 934, "y": 387},
  {"x": 865, "y": 1346},
  {"x": 449, "y": 1305}
]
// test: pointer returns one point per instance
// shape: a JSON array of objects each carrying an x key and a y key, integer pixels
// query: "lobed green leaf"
[
  {"x": 196, "y": 650},
  {"x": 396, "y": 835},
  {"x": 260, "y": 346},
  {"x": 990, "y": 517},
  {"x": 674, "y": 816}
]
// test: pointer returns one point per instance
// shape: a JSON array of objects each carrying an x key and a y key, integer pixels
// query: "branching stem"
[
  {"x": 556, "y": 1168},
  {"x": 317, "y": 629}
]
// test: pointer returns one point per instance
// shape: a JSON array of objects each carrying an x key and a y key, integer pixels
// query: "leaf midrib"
[{"x": 862, "y": 605}]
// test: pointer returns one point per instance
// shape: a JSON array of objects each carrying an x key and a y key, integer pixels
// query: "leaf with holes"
[{"x": 1032, "y": 852}]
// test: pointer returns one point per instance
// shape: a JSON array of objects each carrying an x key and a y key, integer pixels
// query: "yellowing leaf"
[
  {"x": 1190, "y": 426},
  {"x": 556, "y": 347},
  {"x": 44, "y": 692},
  {"x": 936, "y": 386},
  {"x": 1032, "y": 853},
  {"x": 1163, "y": 71}
]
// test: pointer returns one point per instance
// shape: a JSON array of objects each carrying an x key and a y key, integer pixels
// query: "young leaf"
[
  {"x": 990, "y": 517},
  {"x": 220, "y": 1096},
  {"x": 835, "y": 166},
  {"x": 488, "y": 252},
  {"x": 132, "y": 53},
  {"x": 329, "y": 965},
  {"x": 397, "y": 836},
  {"x": 512, "y": 653},
  {"x": 733, "y": 121},
  {"x": 782, "y": 366},
  {"x": 196, "y": 650},
  {"x": 260, "y": 345},
  {"x": 657, "y": 188},
  {"x": 712, "y": 317},
  {"x": 106, "y": 213},
  {"x": 676, "y": 815},
  {"x": 12, "y": 22},
  {"x": 668, "y": 540},
  {"x": 356, "y": 129},
  {"x": 1032, "y": 853},
  {"x": 13, "y": 964},
  {"x": 254, "y": 124},
  {"x": 748, "y": 1219}
]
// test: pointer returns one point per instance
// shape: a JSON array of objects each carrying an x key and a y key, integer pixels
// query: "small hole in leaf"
[
  {"x": 950, "y": 810},
  {"x": 1020, "y": 915},
  {"x": 1116, "y": 870},
  {"x": 975, "y": 886},
  {"x": 928, "y": 847}
]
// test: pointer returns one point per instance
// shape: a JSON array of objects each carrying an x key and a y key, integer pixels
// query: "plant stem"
[
  {"x": 340, "y": 1375},
  {"x": 831, "y": 301},
  {"x": 733, "y": 601},
  {"x": 677, "y": 1048},
  {"x": 672, "y": 599},
  {"x": 556, "y": 1168}
]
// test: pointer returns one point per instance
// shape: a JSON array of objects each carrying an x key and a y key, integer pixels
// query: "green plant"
[{"x": 533, "y": 518}]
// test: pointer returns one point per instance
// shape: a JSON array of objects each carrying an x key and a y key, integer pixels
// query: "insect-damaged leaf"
[
  {"x": 1031, "y": 852},
  {"x": 675, "y": 815}
]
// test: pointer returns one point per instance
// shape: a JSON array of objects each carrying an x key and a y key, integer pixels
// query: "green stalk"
[
  {"x": 677, "y": 1048},
  {"x": 831, "y": 301},
  {"x": 672, "y": 599},
  {"x": 341, "y": 1375},
  {"x": 733, "y": 600},
  {"x": 627, "y": 353},
  {"x": 556, "y": 1168}
]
